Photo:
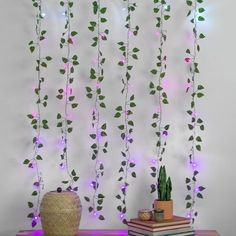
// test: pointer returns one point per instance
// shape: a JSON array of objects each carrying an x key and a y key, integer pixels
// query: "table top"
[{"x": 108, "y": 232}]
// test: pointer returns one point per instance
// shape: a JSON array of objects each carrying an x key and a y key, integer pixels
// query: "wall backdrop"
[{"x": 216, "y": 162}]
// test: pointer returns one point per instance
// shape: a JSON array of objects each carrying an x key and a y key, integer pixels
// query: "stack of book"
[{"x": 180, "y": 226}]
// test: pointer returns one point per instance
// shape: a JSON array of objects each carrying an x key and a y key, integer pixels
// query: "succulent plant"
[{"x": 164, "y": 185}]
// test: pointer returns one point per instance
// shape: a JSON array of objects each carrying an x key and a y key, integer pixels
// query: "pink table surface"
[{"x": 101, "y": 232}]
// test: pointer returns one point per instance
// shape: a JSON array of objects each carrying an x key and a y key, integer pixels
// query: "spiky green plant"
[{"x": 164, "y": 185}]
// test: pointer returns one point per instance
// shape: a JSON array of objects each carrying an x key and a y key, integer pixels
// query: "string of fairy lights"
[
  {"x": 65, "y": 94},
  {"x": 37, "y": 121},
  {"x": 124, "y": 111},
  {"x": 99, "y": 134},
  {"x": 196, "y": 124},
  {"x": 161, "y": 10}
]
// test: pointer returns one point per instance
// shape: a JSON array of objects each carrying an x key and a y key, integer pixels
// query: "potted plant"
[{"x": 164, "y": 189}]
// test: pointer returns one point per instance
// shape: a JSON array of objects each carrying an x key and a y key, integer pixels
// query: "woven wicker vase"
[
  {"x": 60, "y": 213},
  {"x": 167, "y": 206}
]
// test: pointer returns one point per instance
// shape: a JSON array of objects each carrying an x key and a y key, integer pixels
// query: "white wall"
[{"x": 217, "y": 161}]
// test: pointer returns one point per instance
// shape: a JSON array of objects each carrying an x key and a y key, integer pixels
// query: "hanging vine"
[
  {"x": 37, "y": 122},
  {"x": 196, "y": 124},
  {"x": 125, "y": 111},
  {"x": 161, "y": 10},
  {"x": 66, "y": 94},
  {"x": 99, "y": 128}
]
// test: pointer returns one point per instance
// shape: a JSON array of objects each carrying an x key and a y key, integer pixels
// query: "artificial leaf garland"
[
  {"x": 196, "y": 124},
  {"x": 125, "y": 111},
  {"x": 64, "y": 122},
  {"x": 99, "y": 128},
  {"x": 162, "y": 10},
  {"x": 37, "y": 122}
]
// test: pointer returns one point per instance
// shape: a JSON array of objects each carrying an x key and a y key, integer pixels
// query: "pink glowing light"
[
  {"x": 35, "y": 114},
  {"x": 153, "y": 161},
  {"x": 188, "y": 60},
  {"x": 95, "y": 213},
  {"x": 121, "y": 216},
  {"x": 131, "y": 33},
  {"x": 68, "y": 91},
  {"x": 71, "y": 116},
  {"x": 95, "y": 61},
  {"x": 39, "y": 140},
  {"x": 123, "y": 60},
  {"x": 157, "y": 33},
  {"x": 196, "y": 190},
  {"x": 158, "y": 109},
  {"x": 98, "y": 85},
  {"x": 66, "y": 66},
  {"x": 62, "y": 166}
]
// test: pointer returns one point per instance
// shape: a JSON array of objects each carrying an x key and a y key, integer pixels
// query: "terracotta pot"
[
  {"x": 60, "y": 213},
  {"x": 167, "y": 206}
]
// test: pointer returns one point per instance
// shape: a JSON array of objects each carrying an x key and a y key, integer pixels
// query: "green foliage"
[{"x": 164, "y": 185}]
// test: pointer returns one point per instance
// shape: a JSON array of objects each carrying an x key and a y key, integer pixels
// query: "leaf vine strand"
[
  {"x": 64, "y": 122},
  {"x": 37, "y": 122},
  {"x": 196, "y": 124},
  {"x": 162, "y": 10},
  {"x": 125, "y": 111},
  {"x": 99, "y": 145}
]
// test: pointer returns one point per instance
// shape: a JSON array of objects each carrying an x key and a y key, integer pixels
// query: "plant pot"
[
  {"x": 60, "y": 213},
  {"x": 167, "y": 206}
]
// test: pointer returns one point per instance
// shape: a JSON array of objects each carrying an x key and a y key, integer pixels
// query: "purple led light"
[
  {"x": 157, "y": 34},
  {"x": 153, "y": 161},
  {"x": 131, "y": 33},
  {"x": 62, "y": 166},
  {"x": 121, "y": 216},
  {"x": 35, "y": 114}
]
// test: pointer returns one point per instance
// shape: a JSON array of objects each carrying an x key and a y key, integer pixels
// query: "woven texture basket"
[{"x": 60, "y": 213}]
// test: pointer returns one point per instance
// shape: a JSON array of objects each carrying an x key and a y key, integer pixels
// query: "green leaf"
[
  {"x": 154, "y": 71},
  {"x": 199, "y": 195},
  {"x": 101, "y": 195},
  {"x": 101, "y": 217},
  {"x": 48, "y": 58},
  {"x": 62, "y": 71},
  {"x": 201, "y": 36},
  {"x": 119, "y": 108},
  {"x": 87, "y": 199},
  {"x": 73, "y": 33},
  {"x": 34, "y": 193},
  {"x": 103, "y": 10},
  {"x": 166, "y": 17},
  {"x": 103, "y": 20},
  {"x": 189, "y": 3},
  {"x": 26, "y": 162},
  {"x": 117, "y": 115},
  {"x": 201, "y": 10},
  {"x": 30, "y": 204},
  {"x": 73, "y": 173},
  {"x": 58, "y": 116},
  {"x": 75, "y": 178},
  {"x": 133, "y": 174},
  {"x": 39, "y": 158},
  {"x": 201, "y": 18},
  {"x": 135, "y": 50},
  {"x": 188, "y": 205},
  {"x": 199, "y": 95},
  {"x": 32, "y": 48}
]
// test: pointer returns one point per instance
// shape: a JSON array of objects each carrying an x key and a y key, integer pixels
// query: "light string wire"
[
  {"x": 196, "y": 124},
  {"x": 162, "y": 10},
  {"x": 64, "y": 121},
  {"x": 99, "y": 128},
  {"x": 125, "y": 111},
  {"x": 35, "y": 117}
]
